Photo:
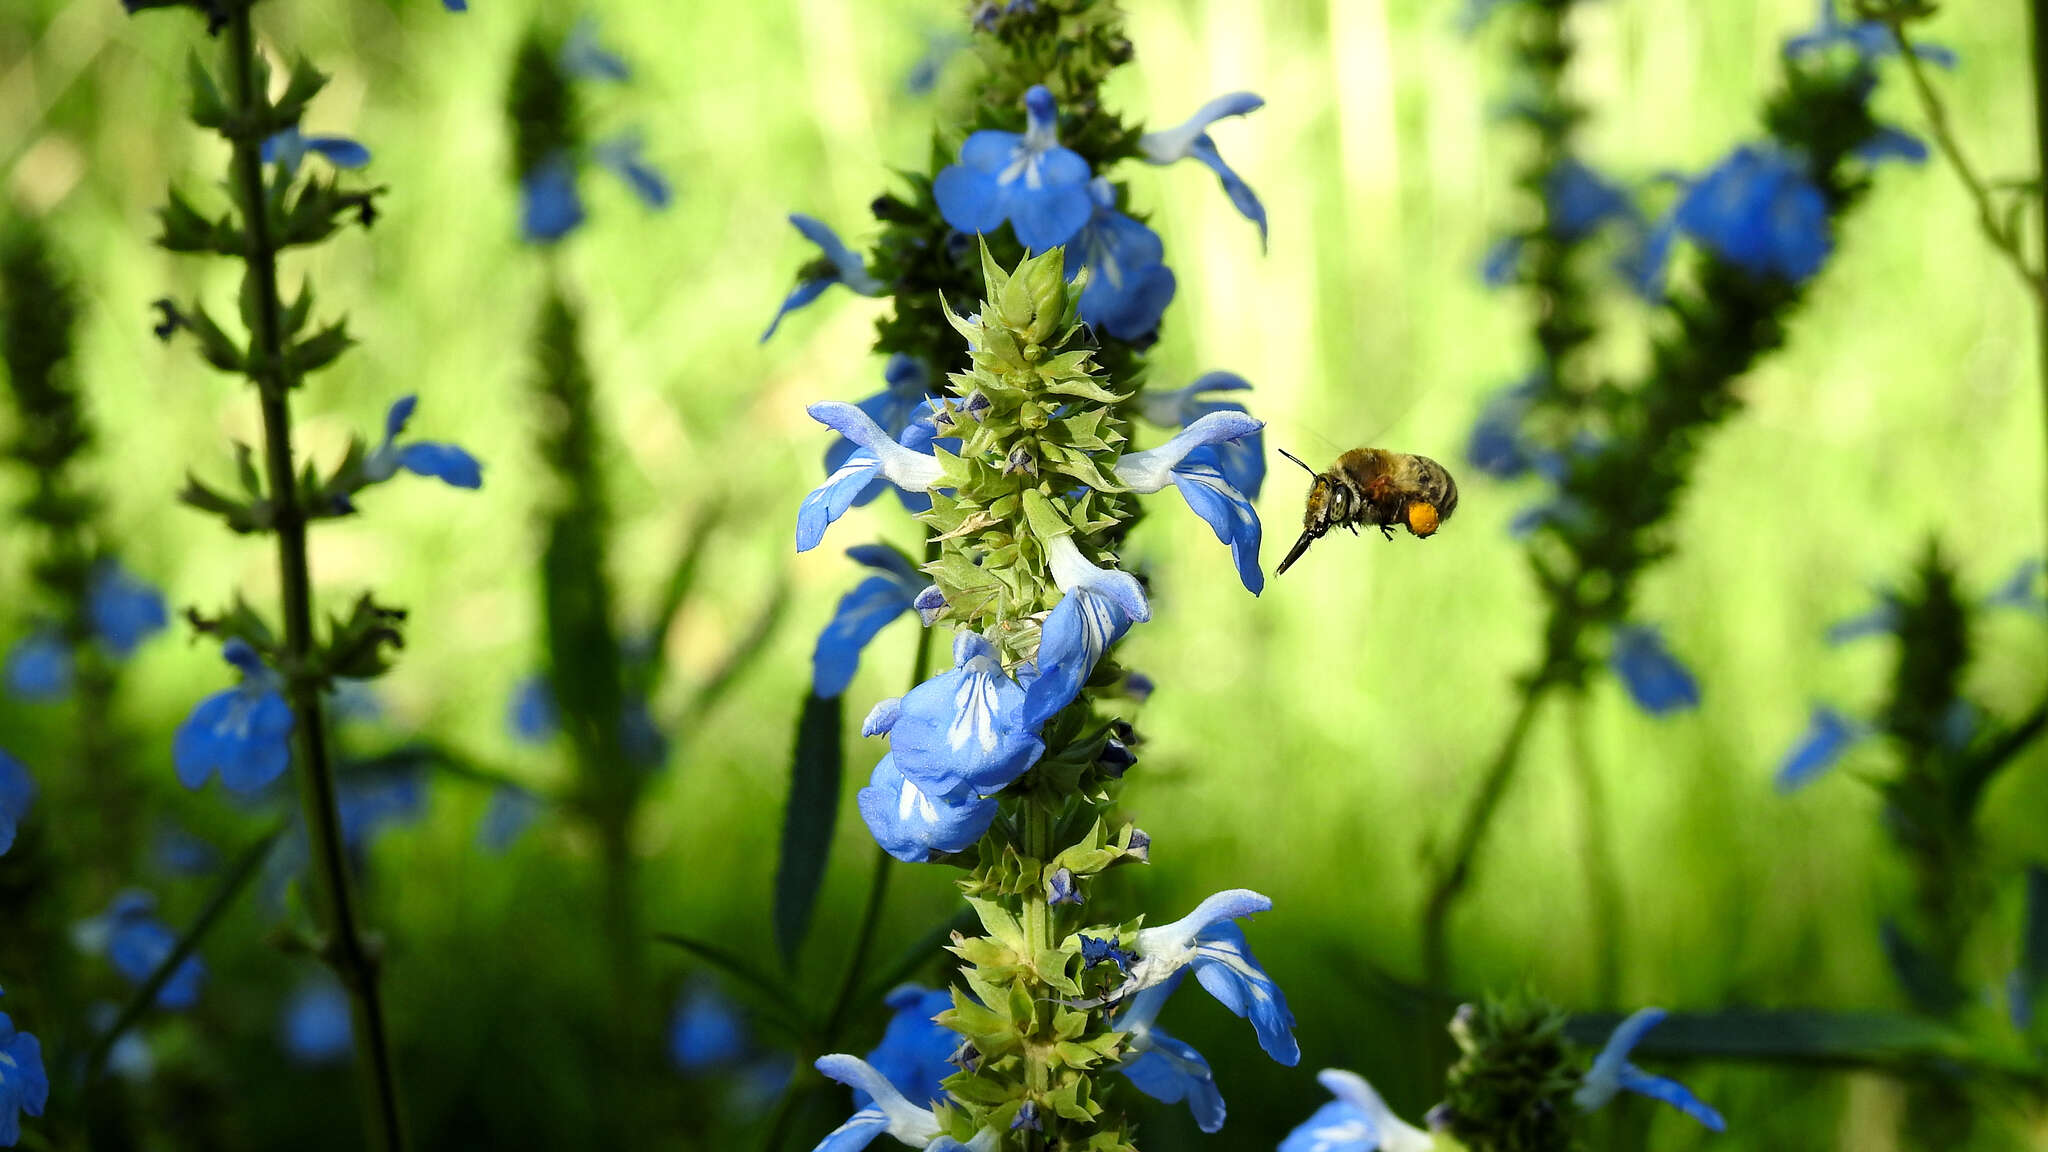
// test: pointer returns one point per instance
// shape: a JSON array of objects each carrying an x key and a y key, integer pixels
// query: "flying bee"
[{"x": 1378, "y": 488}]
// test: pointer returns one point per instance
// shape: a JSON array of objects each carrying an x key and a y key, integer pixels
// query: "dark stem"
[
  {"x": 2040, "y": 12},
  {"x": 1596, "y": 851},
  {"x": 344, "y": 947}
]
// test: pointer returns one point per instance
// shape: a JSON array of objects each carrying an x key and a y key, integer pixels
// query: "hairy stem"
[{"x": 344, "y": 948}]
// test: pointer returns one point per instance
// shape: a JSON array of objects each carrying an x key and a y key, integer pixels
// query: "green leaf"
[
  {"x": 682, "y": 579},
  {"x": 770, "y": 999},
  {"x": 321, "y": 348},
  {"x": 808, "y": 819},
  {"x": 2033, "y": 970},
  {"x": 208, "y": 109}
]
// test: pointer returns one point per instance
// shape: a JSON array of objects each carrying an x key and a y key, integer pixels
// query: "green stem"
[
  {"x": 1596, "y": 852},
  {"x": 345, "y": 949},
  {"x": 2040, "y": 280}
]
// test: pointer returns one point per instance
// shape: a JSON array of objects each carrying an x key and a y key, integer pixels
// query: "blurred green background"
[{"x": 1312, "y": 743}]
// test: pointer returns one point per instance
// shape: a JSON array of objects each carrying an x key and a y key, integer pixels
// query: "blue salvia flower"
[
  {"x": 1580, "y": 200},
  {"x": 1243, "y": 459},
  {"x": 916, "y": 1050},
  {"x": 1104, "y": 950},
  {"x": 905, "y": 403},
  {"x": 1129, "y": 284},
  {"x": 129, "y": 1057},
  {"x": 1653, "y": 676},
  {"x": 1356, "y": 1121},
  {"x": 939, "y": 48},
  {"x": 39, "y": 666},
  {"x": 625, "y": 156},
  {"x": 1202, "y": 483},
  {"x": 288, "y": 149},
  {"x": 177, "y": 852},
  {"x": 1097, "y": 606},
  {"x": 878, "y": 455},
  {"x": 509, "y": 813},
  {"x": 1881, "y": 620},
  {"x": 862, "y": 613},
  {"x": 1027, "y": 179},
  {"x": 17, "y": 793},
  {"x": 1209, "y": 942},
  {"x": 888, "y": 1112},
  {"x": 1760, "y": 211},
  {"x": 1164, "y": 1068},
  {"x": 1060, "y": 888},
  {"x": 963, "y": 733},
  {"x": 443, "y": 462},
  {"x": 125, "y": 610},
  {"x": 839, "y": 265},
  {"x": 244, "y": 732},
  {"x": 136, "y": 943},
  {"x": 455, "y": 5},
  {"x": 1869, "y": 39},
  {"x": 1498, "y": 445},
  {"x": 583, "y": 57},
  {"x": 550, "y": 205},
  {"x": 24, "y": 1082},
  {"x": 2021, "y": 590},
  {"x": 314, "y": 1027},
  {"x": 1191, "y": 140},
  {"x": 911, "y": 824},
  {"x": 369, "y": 802},
  {"x": 705, "y": 1032},
  {"x": 1828, "y": 735},
  {"x": 533, "y": 717},
  {"x": 1612, "y": 1074}
]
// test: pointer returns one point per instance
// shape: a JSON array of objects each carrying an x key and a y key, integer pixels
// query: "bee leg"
[
  {"x": 1386, "y": 531},
  {"x": 1353, "y": 527}
]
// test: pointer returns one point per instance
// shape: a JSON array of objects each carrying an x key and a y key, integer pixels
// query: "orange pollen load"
[{"x": 1422, "y": 518}]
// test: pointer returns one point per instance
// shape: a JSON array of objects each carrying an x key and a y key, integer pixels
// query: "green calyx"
[{"x": 1511, "y": 1089}]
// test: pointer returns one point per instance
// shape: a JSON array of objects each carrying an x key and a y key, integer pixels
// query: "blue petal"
[
  {"x": 915, "y": 1052},
  {"x": 858, "y": 1132},
  {"x": 1828, "y": 735},
  {"x": 532, "y": 718},
  {"x": 1580, "y": 201},
  {"x": 1227, "y": 969},
  {"x": 39, "y": 667},
  {"x": 1240, "y": 193},
  {"x": 1653, "y": 677},
  {"x": 340, "y": 151},
  {"x": 969, "y": 199},
  {"x": 1628, "y": 1034},
  {"x": 1049, "y": 215},
  {"x": 885, "y": 559},
  {"x": 1171, "y": 1071},
  {"x": 316, "y": 1024},
  {"x": 1879, "y": 621},
  {"x": 1080, "y": 629},
  {"x": 1335, "y": 1127},
  {"x": 444, "y": 462},
  {"x": 2018, "y": 590},
  {"x": 863, "y": 612},
  {"x": 399, "y": 415},
  {"x": 455, "y": 5},
  {"x": 1673, "y": 1093},
  {"x": 584, "y": 58},
  {"x": 1893, "y": 144},
  {"x": 622, "y": 155},
  {"x": 1202, "y": 483},
  {"x": 990, "y": 152},
  {"x": 830, "y": 500},
  {"x": 549, "y": 206},
  {"x": 910, "y": 824},
  {"x": 17, "y": 794},
  {"x": 965, "y": 732},
  {"x": 510, "y": 812},
  {"x": 125, "y": 611},
  {"x": 852, "y": 269},
  {"x": 1502, "y": 261},
  {"x": 705, "y": 1033},
  {"x": 245, "y": 735},
  {"x": 805, "y": 292}
]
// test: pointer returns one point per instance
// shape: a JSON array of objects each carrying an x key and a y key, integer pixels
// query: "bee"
[{"x": 1375, "y": 487}]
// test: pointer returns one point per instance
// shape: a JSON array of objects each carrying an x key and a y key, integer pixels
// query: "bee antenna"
[{"x": 1297, "y": 460}]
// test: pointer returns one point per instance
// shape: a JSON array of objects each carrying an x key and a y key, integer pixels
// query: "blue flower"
[
  {"x": 455, "y": 5},
  {"x": 1653, "y": 676},
  {"x": 1612, "y": 1073},
  {"x": 509, "y": 812},
  {"x": 1502, "y": 260},
  {"x": 1356, "y": 1121},
  {"x": 1164, "y": 1068},
  {"x": 1828, "y": 735},
  {"x": 906, "y": 395},
  {"x": 24, "y": 1083},
  {"x": 1197, "y": 471},
  {"x": 129, "y": 1057},
  {"x": 287, "y": 149},
  {"x": 889, "y": 1112},
  {"x": 444, "y": 462},
  {"x": 17, "y": 793},
  {"x": 1191, "y": 139},
  {"x": 1882, "y": 620},
  {"x": 1207, "y": 940},
  {"x": 549, "y": 205},
  {"x": 2021, "y": 590},
  {"x": 964, "y": 732},
  {"x": 244, "y": 732},
  {"x": 1869, "y": 39},
  {"x": 125, "y": 610},
  {"x": 1497, "y": 446},
  {"x": 1129, "y": 285},
  {"x": 40, "y": 665},
  {"x": 1104, "y": 950},
  {"x": 837, "y": 264},
  {"x": 315, "y": 1027},
  {"x": 911, "y": 823},
  {"x": 1760, "y": 211},
  {"x": 705, "y": 1032},
  {"x": 177, "y": 852},
  {"x": 878, "y": 456},
  {"x": 368, "y": 801},
  {"x": 624, "y": 155},
  {"x": 1097, "y": 606},
  {"x": 1028, "y": 180},
  {"x": 582, "y": 57},
  {"x": 916, "y": 1050},
  {"x": 1244, "y": 458},
  {"x": 532, "y": 717},
  {"x": 1580, "y": 200},
  {"x": 863, "y": 612},
  {"x": 1061, "y": 888},
  {"x": 137, "y": 944},
  {"x": 939, "y": 48}
]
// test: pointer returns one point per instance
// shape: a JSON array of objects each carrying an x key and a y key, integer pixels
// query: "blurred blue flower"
[
  {"x": 625, "y": 156},
  {"x": 244, "y": 732},
  {"x": 939, "y": 48},
  {"x": 877, "y": 455},
  {"x": 1208, "y": 941},
  {"x": 1244, "y": 458},
  {"x": 889, "y": 1112},
  {"x": 1097, "y": 606},
  {"x": 287, "y": 149},
  {"x": 129, "y": 1057},
  {"x": 39, "y": 666},
  {"x": 916, "y": 1049},
  {"x": 1881, "y": 620},
  {"x": 125, "y": 610},
  {"x": 1028, "y": 180},
  {"x": 1829, "y": 734},
  {"x": 585, "y": 59},
  {"x": 368, "y": 802},
  {"x": 1164, "y": 1068},
  {"x": 1191, "y": 139},
  {"x": 136, "y": 943},
  {"x": 1356, "y": 1121},
  {"x": 1653, "y": 676},
  {"x": 444, "y": 462},
  {"x": 862, "y": 613},
  {"x": 1580, "y": 200},
  {"x": 1869, "y": 39},
  {"x": 911, "y": 823},
  {"x": 455, "y": 5},
  {"x": 177, "y": 852},
  {"x": 1758, "y": 210},
  {"x": 2021, "y": 590},
  {"x": 17, "y": 793},
  {"x": 1129, "y": 285},
  {"x": 315, "y": 1027},
  {"x": 1498, "y": 446},
  {"x": 533, "y": 717},
  {"x": 705, "y": 1031},
  {"x": 1612, "y": 1074},
  {"x": 550, "y": 205},
  {"x": 509, "y": 812},
  {"x": 24, "y": 1083},
  {"x": 964, "y": 732},
  {"x": 1061, "y": 888},
  {"x": 836, "y": 264}
]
